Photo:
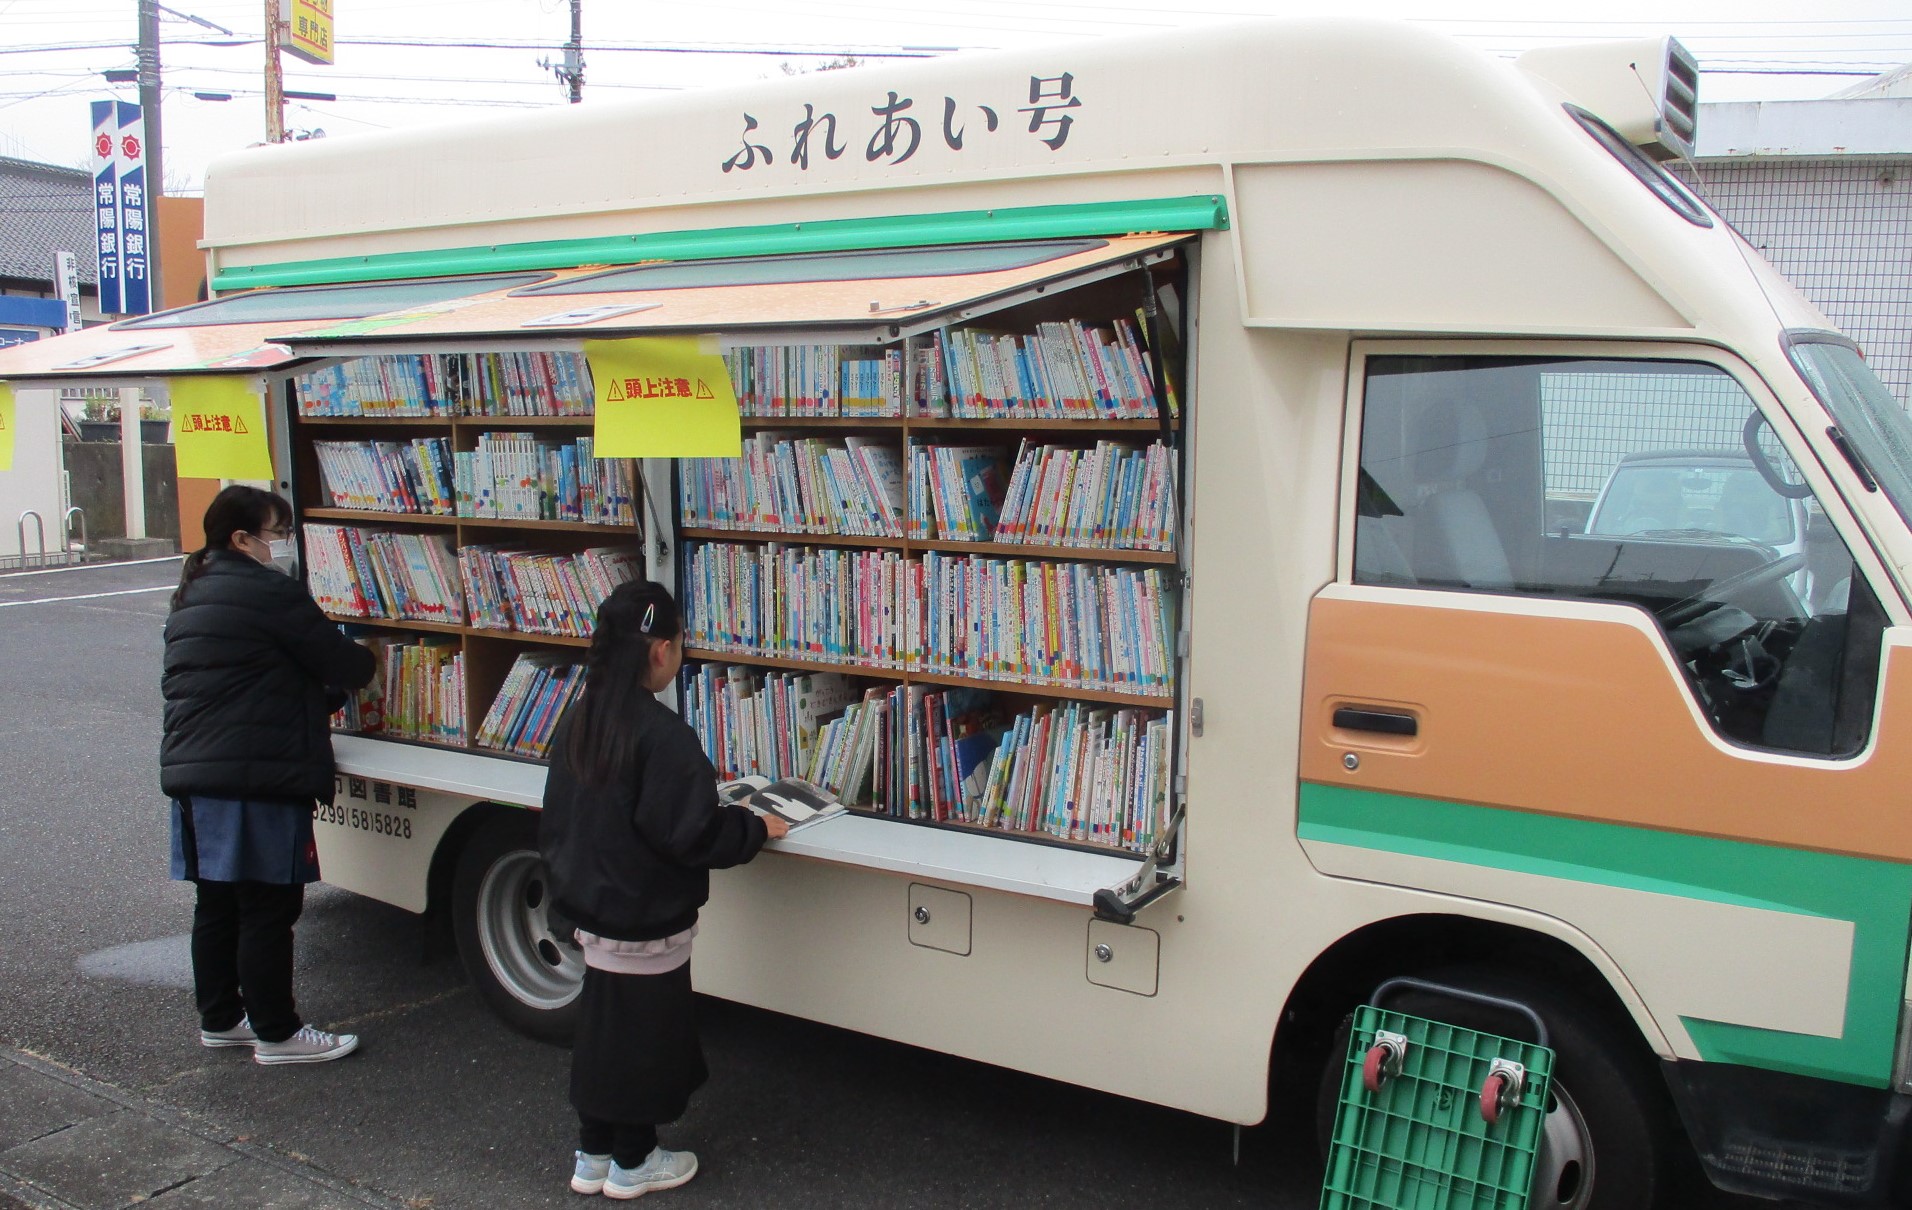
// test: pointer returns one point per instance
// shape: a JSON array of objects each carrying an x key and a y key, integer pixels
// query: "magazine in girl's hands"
[{"x": 791, "y": 799}]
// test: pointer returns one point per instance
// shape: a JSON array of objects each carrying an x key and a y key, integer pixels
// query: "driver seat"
[{"x": 1455, "y": 539}]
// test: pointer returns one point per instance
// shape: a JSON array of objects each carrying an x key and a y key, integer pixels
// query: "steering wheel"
[
  {"x": 1720, "y": 591},
  {"x": 1749, "y": 437}
]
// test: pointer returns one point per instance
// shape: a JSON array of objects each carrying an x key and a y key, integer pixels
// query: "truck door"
[{"x": 1662, "y": 734}]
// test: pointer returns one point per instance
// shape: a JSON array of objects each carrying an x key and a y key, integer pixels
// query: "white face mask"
[{"x": 284, "y": 555}]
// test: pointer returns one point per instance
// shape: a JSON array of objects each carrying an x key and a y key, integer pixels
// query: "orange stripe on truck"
[{"x": 1577, "y": 710}]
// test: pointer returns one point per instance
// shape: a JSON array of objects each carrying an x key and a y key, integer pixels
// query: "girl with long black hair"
[
  {"x": 253, "y": 668},
  {"x": 631, "y": 829}
]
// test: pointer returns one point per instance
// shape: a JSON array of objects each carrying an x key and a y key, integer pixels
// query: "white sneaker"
[
  {"x": 239, "y": 1035},
  {"x": 661, "y": 1169},
  {"x": 588, "y": 1172},
  {"x": 307, "y": 1046}
]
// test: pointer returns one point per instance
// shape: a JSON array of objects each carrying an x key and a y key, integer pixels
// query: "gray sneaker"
[
  {"x": 307, "y": 1046},
  {"x": 239, "y": 1035},
  {"x": 661, "y": 1169}
]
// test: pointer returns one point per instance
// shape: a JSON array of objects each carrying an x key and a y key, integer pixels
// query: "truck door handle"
[{"x": 1366, "y": 718}]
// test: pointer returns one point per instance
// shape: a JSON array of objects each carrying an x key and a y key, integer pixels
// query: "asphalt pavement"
[{"x": 107, "y": 1098}]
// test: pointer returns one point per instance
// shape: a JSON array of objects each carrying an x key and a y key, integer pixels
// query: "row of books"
[
  {"x": 518, "y": 476},
  {"x": 1081, "y": 773},
  {"x": 817, "y": 380},
  {"x": 419, "y": 692},
  {"x": 757, "y": 723},
  {"x": 535, "y": 694},
  {"x": 955, "y": 491},
  {"x": 827, "y": 604},
  {"x": 1114, "y": 495},
  {"x": 539, "y": 592},
  {"x": 849, "y": 485},
  {"x": 370, "y": 573},
  {"x": 1027, "y": 621},
  {"x": 1089, "y": 774},
  {"x": 1050, "y": 623},
  {"x": 388, "y": 476},
  {"x": 450, "y": 384},
  {"x": 1068, "y": 369}
]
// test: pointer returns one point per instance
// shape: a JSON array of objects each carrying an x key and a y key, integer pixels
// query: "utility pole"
[
  {"x": 572, "y": 73},
  {"x": 149, "y": 111},
  {"x": 275, "y": 76}
]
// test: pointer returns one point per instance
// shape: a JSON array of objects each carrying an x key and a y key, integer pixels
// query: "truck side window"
[{"x": 1648, "y": 483}]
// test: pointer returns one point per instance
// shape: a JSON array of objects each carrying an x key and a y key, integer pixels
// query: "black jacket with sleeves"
[
  {"x": 633, "y": 862},
  {"x": 251, "y": 662}
]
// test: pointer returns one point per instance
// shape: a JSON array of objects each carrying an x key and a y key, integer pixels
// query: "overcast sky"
[{"x": 401, "y": 62}]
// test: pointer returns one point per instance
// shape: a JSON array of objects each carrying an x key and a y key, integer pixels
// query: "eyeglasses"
[{"x": 269, "y": 534}]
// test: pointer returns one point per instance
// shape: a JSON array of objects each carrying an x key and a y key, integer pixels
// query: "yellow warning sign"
[
  {"x": 6, "y": 427},
  {"x": 219, "y": 429},
  {"x": 663, "y": 397}
]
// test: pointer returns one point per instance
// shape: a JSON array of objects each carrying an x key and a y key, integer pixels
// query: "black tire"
[
  {"x": 1607, "y": 1127},
  {"x": 501, "y": 916}
]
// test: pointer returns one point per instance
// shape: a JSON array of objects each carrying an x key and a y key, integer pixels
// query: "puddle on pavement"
[{"x": 162, "y": 962}]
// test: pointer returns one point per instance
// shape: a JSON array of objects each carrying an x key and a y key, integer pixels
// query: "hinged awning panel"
[
  {"x": 876, "y": 295},
  {"x": 235, "y": 334},
  {"x": 111, "y": 352}
]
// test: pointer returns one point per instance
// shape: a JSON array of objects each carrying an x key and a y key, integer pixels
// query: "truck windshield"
[{"x": 1874, "y": 423}]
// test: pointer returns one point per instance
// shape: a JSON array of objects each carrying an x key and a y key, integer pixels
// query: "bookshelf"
[
  {"x": 959, "y": 606},
  {"x": 810, "y": 498}
]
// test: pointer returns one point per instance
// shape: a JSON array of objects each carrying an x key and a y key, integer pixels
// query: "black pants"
[
  {"x": 242, "y": 955},
  {"x": 624, "y": 1142}
]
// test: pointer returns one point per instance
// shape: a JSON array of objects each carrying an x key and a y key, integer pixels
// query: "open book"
[{"x": 791, "y": 799}]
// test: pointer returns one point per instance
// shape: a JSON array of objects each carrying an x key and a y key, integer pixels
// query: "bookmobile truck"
[{"x": 1393, "y": 709}]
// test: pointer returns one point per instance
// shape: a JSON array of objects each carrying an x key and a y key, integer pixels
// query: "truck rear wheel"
[
  {"x": 503, "y": 919},
  {"x": 1604, "y": 1143}
]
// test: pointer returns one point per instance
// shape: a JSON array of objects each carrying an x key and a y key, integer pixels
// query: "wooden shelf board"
[
  {"x": 821, "y": 422},
  {"x": 1007, "y": 550},
  {"x": 480, "y": 632},
  {"x": 789, "y": 539},
  {"x": 513, "y": 422},
  {"x": 402, "y": 624},
  {"x": 527, "y": 636},
  {"x": 958, "y": 423},
  {"x": 1070, "y": 692},
  {"x": 1045, "y": 423},
  {"x": 1010, "y": 550},
  {"x": 375, "y": 421},
  {"x": 533, "y": 523},
  {"x": 329, "y": 513}
]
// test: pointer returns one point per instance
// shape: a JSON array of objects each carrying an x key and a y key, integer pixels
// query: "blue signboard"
[
  {"x": 135, "y": 232},
  {"x": 106, "y": 204}
]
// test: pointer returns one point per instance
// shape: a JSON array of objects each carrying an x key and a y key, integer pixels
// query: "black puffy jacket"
[
  {"x": 633, "y": 862},
  {"x": 250, "y": 663}
]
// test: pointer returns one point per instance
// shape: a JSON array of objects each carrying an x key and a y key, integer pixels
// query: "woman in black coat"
[{"x": 253, "y": 670}]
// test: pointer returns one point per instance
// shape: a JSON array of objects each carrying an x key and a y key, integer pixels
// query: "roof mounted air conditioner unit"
[{"x": 1648, "y": 90}]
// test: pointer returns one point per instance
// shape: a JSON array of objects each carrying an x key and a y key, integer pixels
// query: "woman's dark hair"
[
  {"x": 601, "y": 743},
  {"x": 235, "y": 509}
]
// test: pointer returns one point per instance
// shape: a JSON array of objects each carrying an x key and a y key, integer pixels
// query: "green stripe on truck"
[
  {"x": 1876, "y": 896},
  {"x": 1198, "y": 213}
]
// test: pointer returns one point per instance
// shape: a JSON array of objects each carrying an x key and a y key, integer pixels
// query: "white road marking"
[
  {"x": 90, "y": 596},
  {"x": 49, "y": 571}
]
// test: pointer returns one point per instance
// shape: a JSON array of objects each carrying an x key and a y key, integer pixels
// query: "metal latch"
[{"x": 1119, "y": 904}]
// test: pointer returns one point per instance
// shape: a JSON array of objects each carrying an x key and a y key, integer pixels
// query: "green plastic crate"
[{"x": 1421, "y": 1142}]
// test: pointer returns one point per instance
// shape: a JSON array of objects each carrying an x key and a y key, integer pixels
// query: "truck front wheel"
[
  {"x": 508, "y": 933},
  {"x": 1603, "y": 1146}
]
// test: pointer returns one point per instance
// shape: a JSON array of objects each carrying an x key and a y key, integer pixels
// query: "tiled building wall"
[{"x": 1840, "y": 230}]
